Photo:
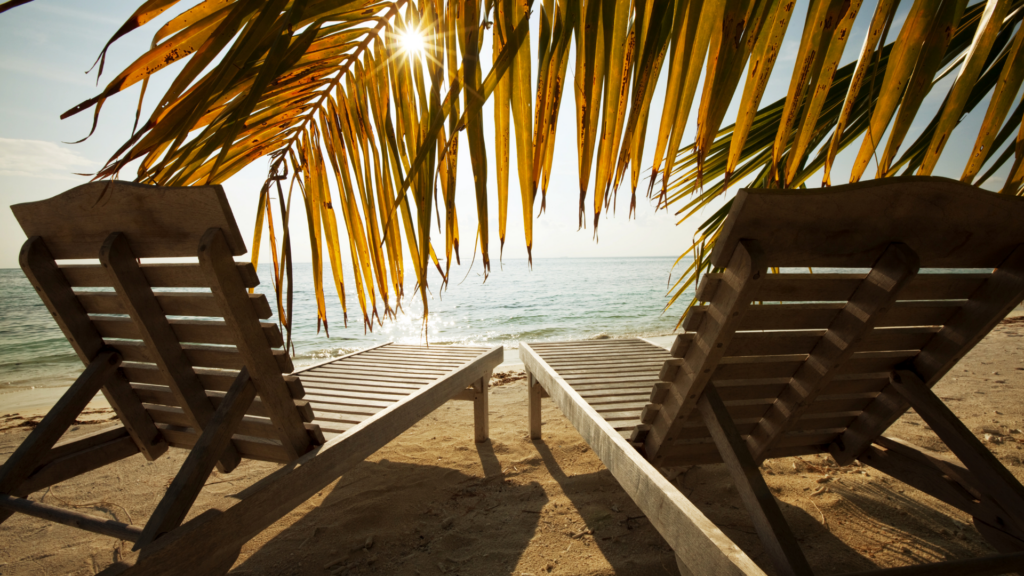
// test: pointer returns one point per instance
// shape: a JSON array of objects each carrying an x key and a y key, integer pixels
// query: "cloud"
[{"x": 39, "y": 159}]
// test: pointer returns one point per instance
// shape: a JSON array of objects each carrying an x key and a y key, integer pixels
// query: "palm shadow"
[{"x": 400, "y": 518}]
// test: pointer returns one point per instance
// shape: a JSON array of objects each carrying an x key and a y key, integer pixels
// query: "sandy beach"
[{"x": 433, "y": 502}]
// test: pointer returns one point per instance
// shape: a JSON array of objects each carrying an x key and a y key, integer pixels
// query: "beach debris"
[
  {"x": 993, "y": 439},
  {"x": 447, "y": 522},
  {"x": 821, "y": 490},
  {"x": 369, "y": 542}
]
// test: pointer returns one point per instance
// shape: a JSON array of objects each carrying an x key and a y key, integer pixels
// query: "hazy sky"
[{"x": 47, "y": 45}]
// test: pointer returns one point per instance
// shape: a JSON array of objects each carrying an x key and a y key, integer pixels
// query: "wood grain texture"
[
  {"x": 829, "y": 287},
  {"x": 160, "y": 341},
  {"x": 993, "y": 479},
  {"x": 481, "y": 407},
  {"x": 768, "y": 521},
  {"x": 30, "y": 453},
  {"x": 172, "y": 303},
  {"x": 215, "y": 258},
  {"x": 181, "y": 275},
  {"x": 159, "y": 221},
  {"x": 70, "y": 518},
  {"x": 989, "y": 304},
  {"x": 740, "y": 285},
  {"x": 203, "y": 545},
  {"x": 947, "y": 223},
  {"x": 83, "y": 456},
  {"x": 698, "y": 542},
  {"x": 189, "y": 480},
  {"x": 876, "y": 293}
]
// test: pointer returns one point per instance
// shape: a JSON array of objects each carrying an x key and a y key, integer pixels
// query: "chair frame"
[
  {"x": 177, "y": 215},
  {"x": 975, "y": 481}
]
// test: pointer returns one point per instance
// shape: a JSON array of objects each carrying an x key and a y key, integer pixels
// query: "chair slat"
[
  {"x": 157, "y": 394},
  {"x": 818, "y": 316},
  {"x": 204, "y": 355},
  {"x": 248, "y": 446},
  {"x": 186, "y": 330},
  {"x": 839, "y": 287},
  {"x": 172, "y": 303},
  {"x": 157, "y": 275},
  {"x": 255, "y": 426}
]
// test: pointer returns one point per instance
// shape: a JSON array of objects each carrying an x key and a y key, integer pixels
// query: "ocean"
[{"x": 559, "y": 299}]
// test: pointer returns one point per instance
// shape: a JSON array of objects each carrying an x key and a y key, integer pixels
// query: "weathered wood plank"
[
  {"x": 172, "y": 303},
  {"x": 185, "y": 330},
  {"x": 157, "y": 394},
  {"x": 830, "y": 287},
  {"x": 216, "y": 262},
  {"x": 817, "y": 316},
  {"x": 992, "y": 477},
  {"x": 768, "y": 521},
  {"x": 741, "y": 281},
  {"x": 481, "y": 414},
  {"x": 918, "y": 473},
  {"x": 158, "y": 221},
  {"x": 20, "y": 465},
  {"x": 85, "y": 458},
  {"x": 534, "y": 405},
  {"x": 248, "y": 446},
  {"x": 157, "y": 275},
  {"x": 840, "y": 227},
  {"x": 987, "y": 306},
  {"x": 53, "y": 288},
  {"x": 702, "y": 546},
  {"x": 202, "y": 543},
  {"x": 70, "y": 518},
  {"x": 189, "y": 480},
  {"x": 166, "y": 352},
  {"x": 875, "y": 295}
]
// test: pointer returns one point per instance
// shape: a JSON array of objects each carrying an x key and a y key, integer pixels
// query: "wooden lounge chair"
[
  {"x": 201, "y": 369},
  {"x": 787, "y": 364}
]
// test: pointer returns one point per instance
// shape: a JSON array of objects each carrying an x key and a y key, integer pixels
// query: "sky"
[{"x": 47, "y": 46}]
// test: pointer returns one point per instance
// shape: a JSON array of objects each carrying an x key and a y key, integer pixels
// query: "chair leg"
[
  {"x": 481, "y": 418},
  {"x": 779, "y": 541},
  {"x": 190, "y": 479},
  {"x": 534, "y": 393},
  {"x": 23, "y": 462},
  {"x": 992, "y": 477}
]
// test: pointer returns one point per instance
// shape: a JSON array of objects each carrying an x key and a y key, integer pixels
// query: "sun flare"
[{"x": 413, "y": 42}]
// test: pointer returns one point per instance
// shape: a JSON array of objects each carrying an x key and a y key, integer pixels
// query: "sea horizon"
[{"x": 581, "y": 298}]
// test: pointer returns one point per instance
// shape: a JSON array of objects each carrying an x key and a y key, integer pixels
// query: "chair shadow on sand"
[
  {"x": 922, "y": 533},
  {"x": 421, "y": 519}
]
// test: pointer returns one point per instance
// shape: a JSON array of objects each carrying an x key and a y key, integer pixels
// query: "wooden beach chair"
[
  {"x": 186, "y": 358},
  {"x": 788, "y": 364}
]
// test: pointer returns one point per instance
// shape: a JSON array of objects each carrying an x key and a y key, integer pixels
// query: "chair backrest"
[
  {"x": 184, "y": 329},
  {"x": 803, "y": 360}
]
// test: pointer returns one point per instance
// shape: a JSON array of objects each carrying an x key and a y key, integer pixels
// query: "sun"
[{"x": 412, "y": 42}]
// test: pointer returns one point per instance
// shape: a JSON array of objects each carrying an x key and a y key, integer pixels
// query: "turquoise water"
[{"x": 560, "y": 299}]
